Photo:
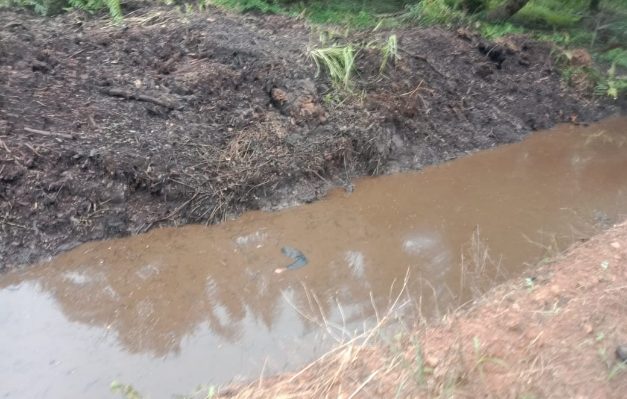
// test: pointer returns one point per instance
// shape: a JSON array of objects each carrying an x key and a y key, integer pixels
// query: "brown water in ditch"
[{"x": 177, "y": 307}]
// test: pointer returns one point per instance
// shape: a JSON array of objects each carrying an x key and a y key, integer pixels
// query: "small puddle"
[{"x": 173, "y": 308}]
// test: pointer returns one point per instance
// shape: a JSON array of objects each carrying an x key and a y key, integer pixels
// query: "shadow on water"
[{"x": 175, "y": 307}]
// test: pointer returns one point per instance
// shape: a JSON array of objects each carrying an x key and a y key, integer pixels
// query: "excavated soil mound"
[{"x": 172, "y": 118}]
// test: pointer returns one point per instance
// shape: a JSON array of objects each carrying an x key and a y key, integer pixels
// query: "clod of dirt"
[{"x": 580, "y": 57}]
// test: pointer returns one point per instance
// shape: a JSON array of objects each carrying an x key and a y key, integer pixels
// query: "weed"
[
  {"x": 389, "y": 52},
  {"x": 432, "y": 12},
  {"x": 338, "y": 61},
  {"x": 617, "y": 56},
  {"x": 478, "y": 268},
  {"x": 261, "y": 6},
  {"x": 494, "y": 31},
  {"x": 52, "y": 7},
  {"x": 420, "y": 369},
  {"x": 530, "y": 283},
  {"x": 481, "y": 359},
  {"x": 115, "y": 10},
  {"x": 613, "y": 368},
  {"x": 127, "y": 391},
  {"x": 41, "y": 7},
  {"x": 612, "y": 85},
  {"x": 202, "y": 392},
  {"x": 545, "y": 15},
  {"x": 354, "y": 13}
]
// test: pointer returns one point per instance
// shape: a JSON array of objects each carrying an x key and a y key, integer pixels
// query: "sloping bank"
[
  {"x": 178, "y": 118},
  {"x": 560, "y": 331}
]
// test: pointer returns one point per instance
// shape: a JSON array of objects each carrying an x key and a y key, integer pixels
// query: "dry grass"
[
  {"x": 384, "y": 358},
  {"x": 478, "y": 269},
  {"x": 250, "y": 162},
  {"x": 352, "y": 369}
]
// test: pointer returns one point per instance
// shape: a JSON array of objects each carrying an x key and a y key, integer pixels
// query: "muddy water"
[{"x": 177, "y": 307}]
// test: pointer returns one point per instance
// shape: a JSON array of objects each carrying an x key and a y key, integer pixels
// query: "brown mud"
[{"x": 177, "y": 118}]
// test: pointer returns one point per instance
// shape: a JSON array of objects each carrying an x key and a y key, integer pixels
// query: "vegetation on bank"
[
  {"x": 600, "y": 26},
  {"x": 52, "y": 7}
]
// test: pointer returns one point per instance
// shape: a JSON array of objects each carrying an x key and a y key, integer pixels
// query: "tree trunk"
[{"x": 507, "y": 10}]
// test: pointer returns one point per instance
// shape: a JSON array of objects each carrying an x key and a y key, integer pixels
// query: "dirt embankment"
[
  {"x": 558, "y": 332},
  {"x": 111, "y": 130}
]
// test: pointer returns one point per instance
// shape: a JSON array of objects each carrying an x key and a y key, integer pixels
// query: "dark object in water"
[
  {"x": 300, "y": 259},
  {"x": 621, "y": 353}
]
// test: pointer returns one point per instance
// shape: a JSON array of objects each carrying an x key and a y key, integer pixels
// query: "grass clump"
[
  {"x": 113, "y": 6},
  {"x": 126, "y": 391},
  {"x": 612, "y": 84},
  {"x": 544, "y": 16},
  {"x": 617, "y": 57},
  {"x": 261, "y": 6},
  {"x": 354, "y": 13},
  {"x": 435, "y": 12},
  {"x": 389, "y": 52},
  {"x": 338, "y": 61},
  {"x": 41, "y": 7},
  {"x": 494, "y": 31}
]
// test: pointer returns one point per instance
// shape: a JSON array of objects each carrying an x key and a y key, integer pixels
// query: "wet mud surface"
[
  {"x": 172, "y": 308},
  {"x": 174, "y": 118}
]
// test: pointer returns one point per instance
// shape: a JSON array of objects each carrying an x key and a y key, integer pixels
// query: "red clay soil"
[
  {"x": 555, "y": 333},
  {"x": 551, "y": 334}
]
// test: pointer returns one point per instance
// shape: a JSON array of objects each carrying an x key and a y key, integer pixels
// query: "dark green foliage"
[
  {"x": 262, "y": 6},
  {"x": 473, "y": 6},
  {"x": 114, "y": 7},
  {"x": 52, "y": 7},
  {"x": 42, "y": 7},
  {"x": 600, "y": 26},
  {"x": 506, "y": 10},
  {"x": 357, "y": 13}
]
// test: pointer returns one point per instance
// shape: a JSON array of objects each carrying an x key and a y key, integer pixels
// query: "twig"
[
  {"x": 4, "y": 145},
  {"x": 32, "y": 149},
  {"x": 363, "y": 384},
  {"x": 47, "y": 133},
  {"x": 166, "y": 102},
  {"x": 12, "y": 25},
  {"x": 5, "y": 221},
  {"x": 74, "y": 54},
  {"x": 411, "y": 93}
]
